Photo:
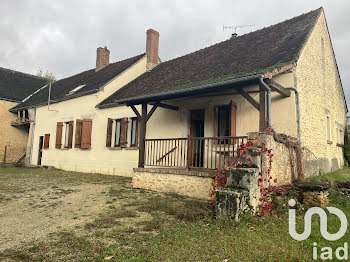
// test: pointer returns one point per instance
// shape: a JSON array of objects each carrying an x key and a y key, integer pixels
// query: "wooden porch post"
[
  {"x": 142, "y": 136},
  {"x": 262, "y": 109}
]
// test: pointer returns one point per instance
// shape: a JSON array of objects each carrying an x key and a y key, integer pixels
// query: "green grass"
[
  {"x": 338, "y": 175},
  {"x": 158, "y": 227}
]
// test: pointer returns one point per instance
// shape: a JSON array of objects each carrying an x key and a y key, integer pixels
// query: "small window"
[
  {"x": 117, "y": 132},
  {"x": 133, "y": 131}
]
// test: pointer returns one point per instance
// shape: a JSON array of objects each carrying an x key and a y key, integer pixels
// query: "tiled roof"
[
  {"x": 257, "y": 52},
  {"x": 89, "y": 81},
  {"x": 16, "y": 85}
]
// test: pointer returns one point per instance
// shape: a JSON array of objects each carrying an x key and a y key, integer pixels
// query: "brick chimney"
[
  {"x": 102, "y": 58},
  {"x": 152, "y": 44}
]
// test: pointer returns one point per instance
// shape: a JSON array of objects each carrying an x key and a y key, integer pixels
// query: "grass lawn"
[{"x": 136, "y": 225}]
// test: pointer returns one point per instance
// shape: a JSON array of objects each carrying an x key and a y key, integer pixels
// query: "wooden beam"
[
  {"x": 136, "y": 112},
  {"x": 175, "y": 108},
  {"x": 278, "y": 88},
  {"x": 262, "y": 111},
  {"x": 155, "y": 106},
  {"x": 142, "y": 136},
  {"x": 250, "y": 99}
]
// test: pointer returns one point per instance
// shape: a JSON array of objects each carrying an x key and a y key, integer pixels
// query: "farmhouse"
[
  {"x": 171, "y": 124},
  {"x": 15, "y": 87}
]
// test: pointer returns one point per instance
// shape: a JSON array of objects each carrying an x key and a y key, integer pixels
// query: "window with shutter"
[
  {"x": 78, "y": 131},
  {"x": 86, "y": 134},
  {"x": 47, "y": 141},
  {"x": 59, "y": 135},
  {"x": 124, "y": 132},
  {"x": 109, "y": 132},
  {"x": 133, "y": 131}
]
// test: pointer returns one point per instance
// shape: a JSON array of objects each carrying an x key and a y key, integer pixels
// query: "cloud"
[{"x": 62, "y": 36}]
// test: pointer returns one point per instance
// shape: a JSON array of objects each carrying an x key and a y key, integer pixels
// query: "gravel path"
[{"x": 38, "y": 213}]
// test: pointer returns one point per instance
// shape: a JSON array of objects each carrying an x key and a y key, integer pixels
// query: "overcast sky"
[{"x": 62, "y": 36}]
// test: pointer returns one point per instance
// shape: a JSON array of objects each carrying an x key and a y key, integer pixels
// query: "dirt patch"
[{"x": 39, "y": 213}]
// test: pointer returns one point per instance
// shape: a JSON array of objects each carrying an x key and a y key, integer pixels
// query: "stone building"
[
  {"x": 170, "y": 124},
  {"x": 14, "y": 88}
]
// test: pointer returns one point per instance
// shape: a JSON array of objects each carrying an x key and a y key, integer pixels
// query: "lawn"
[{"x": 137, "y": 225}]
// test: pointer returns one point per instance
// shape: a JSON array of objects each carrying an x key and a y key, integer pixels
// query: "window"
[
  {"x": 328, "y": 125},
  {"x": 339, "y": 131},
  {"x": 68, "y": 134},
  {"x": 224, "y": 116},
  {"x": 117, "y": 132},
  {"x": 133, "y": 131},
  {"x": 121, "y": 132}
]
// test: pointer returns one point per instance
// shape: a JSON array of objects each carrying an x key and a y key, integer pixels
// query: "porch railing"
[{"x": 191, "y": 152}]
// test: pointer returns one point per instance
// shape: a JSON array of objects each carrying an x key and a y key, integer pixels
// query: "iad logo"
[
  {"x": 326, "y": 251},
  {"x": 323, "y": 219}
]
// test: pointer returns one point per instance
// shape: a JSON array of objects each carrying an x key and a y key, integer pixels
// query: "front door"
[
  {"x": 196, "y": 149},
  {"x": 40, "y": 154}
]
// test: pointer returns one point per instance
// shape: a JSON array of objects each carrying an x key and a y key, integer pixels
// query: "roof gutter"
[
  {"x": 9, "y": 99},
  {"x": 179, "y": 93}
]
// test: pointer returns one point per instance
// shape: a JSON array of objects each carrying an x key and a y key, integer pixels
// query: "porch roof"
[{"x": 237, "y": 59}]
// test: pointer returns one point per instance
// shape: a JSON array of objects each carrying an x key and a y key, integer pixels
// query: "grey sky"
[{"x": 62, "y": 36}]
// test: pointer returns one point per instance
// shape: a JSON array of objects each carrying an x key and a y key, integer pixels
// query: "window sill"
[
  {"x": 131, "y": 148},
  {"x": 115, "y": 148},
  {"x": 329, "y": 142},
  {"x": 340, "y": 145}
]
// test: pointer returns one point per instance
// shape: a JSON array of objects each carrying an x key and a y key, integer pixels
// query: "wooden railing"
[{"x": 191, "y": 152}]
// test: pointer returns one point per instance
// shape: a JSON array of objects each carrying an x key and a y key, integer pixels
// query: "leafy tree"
[{"x": 49, "y": 76}]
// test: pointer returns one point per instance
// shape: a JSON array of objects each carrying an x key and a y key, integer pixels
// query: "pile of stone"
[
  {"x": 344, "y": 188},
  {"x": 314, "y": 193}
]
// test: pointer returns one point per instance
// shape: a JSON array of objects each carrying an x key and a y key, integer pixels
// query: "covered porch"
[{"x": 210, "y": 134}]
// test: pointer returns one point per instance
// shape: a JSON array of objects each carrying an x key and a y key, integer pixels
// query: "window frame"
[
  {"x": 134, "y": 119},
  {"x": 66, "y": 135},
  {"x": 227, "y": 108},
  {"x": 119, "y": 120}
]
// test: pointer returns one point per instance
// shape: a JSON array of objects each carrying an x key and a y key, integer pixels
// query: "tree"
[
  {"x": 49, "y": 76},
  {"x": 346, "y": 147}
]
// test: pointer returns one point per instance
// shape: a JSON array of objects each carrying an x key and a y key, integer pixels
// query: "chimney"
[
  {"x": 102, "y": 58},
  {"x": 152, "y": 43},
  {"x": 234, "y": 35}
]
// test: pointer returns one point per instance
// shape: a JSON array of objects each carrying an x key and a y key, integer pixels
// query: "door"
[
  {"x": 40, "y": 154},
  {"x": 196, "y": 149}
]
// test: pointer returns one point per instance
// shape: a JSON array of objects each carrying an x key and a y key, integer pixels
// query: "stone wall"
[
  {"x": 187, "y": 183},
  {"x": 317, "y": 80},
  {"x": 13, "y": 138},
  {"x": 284, "y": 165}
]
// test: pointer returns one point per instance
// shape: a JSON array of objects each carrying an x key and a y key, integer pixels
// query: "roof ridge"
[{"x": 244, "y": 35}]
